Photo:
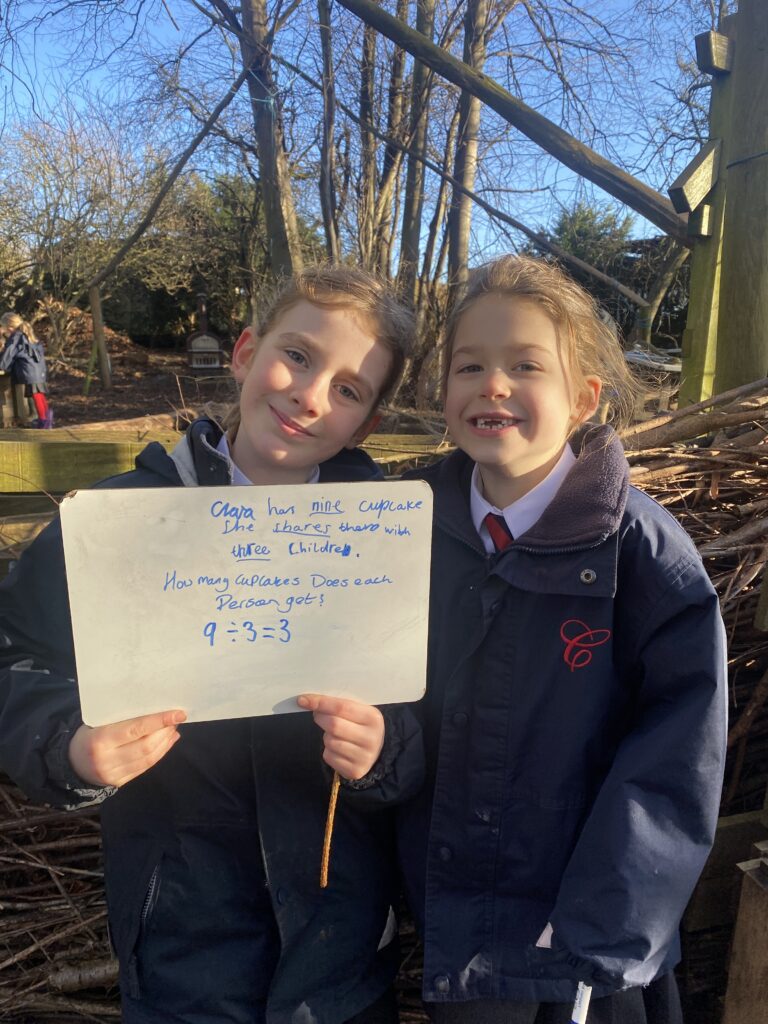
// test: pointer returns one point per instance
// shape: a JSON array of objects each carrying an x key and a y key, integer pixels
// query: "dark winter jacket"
[
  {"x": 24, "y": 360},
  {"x": 212, "y": 856},
  {"x": 575, "y": 730}
]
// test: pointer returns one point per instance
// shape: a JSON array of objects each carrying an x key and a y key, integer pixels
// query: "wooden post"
[
  {"x": 94, "y": 297},
  {"x": 742, "y": 337},
  {"x": 6, "y": 400},
  {"x": 700, "y": 337},
  {"x": 747, "y": 996}
]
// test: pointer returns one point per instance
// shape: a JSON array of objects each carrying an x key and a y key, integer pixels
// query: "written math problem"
[{"x": 287, "y": 589}]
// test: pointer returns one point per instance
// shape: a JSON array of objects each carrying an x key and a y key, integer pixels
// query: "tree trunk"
[
  {"x": 393, "y": 156},
  {"x": 413, "y": 202},
  {"x": 368, "y": 174},
  {"x": 574, "y": 154},
  {"x": 465, "y": 162},
  {"x": 640, "y": 335},
  {"x": 99, "y": 341},
  {"x": 327, "y": 150},
  {"x": 279, "y": 210}
]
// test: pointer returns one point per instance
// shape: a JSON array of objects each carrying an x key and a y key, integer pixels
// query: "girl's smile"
[
  {"x": 309, "y": 388},
  {"x": 510, "y": 401}
]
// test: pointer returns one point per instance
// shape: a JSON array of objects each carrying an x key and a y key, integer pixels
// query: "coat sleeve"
[
  {"x": 39, "y": 703},
  {"x": 652, "y": 823},
  {"x": 9, "y": 352},
  {"x": 399, "y": 772}
]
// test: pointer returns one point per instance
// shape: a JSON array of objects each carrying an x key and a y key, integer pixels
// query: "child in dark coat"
[
  {"x": 23, "y": 357},
  {"x": 212, "y": 832},
  {"x": 575, "y": 714}
]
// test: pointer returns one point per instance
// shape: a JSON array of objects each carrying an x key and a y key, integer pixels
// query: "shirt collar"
[
  {"x": 523, "y": 513},
  {"x": 238, "y": 477}
]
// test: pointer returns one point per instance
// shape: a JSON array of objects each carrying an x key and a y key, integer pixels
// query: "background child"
[
  {"x": 575, "y": 708},
  {"x": 212, "y": 832},
  {"x": 24, "y": 358}
]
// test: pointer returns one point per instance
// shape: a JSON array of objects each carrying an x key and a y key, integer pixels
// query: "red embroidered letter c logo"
[{"x": 578, "y": 639}]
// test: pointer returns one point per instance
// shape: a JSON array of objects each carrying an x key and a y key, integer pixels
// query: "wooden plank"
[
  {"x": 16, "y": 532},
  {"x": 701, "y": 221},
  {"x": 698, "y": 179},
  {"x": 57, "y": 461},
  {"x": 715, "y": 899},
  {"x": 700, "y": 339},
  {"x": 27, "y": 467},
  {"x": 714, "y": 53},
  {"x": 742, "y": 339},
  {"x": 746, "y": 998},
  {"x": 87, "y": 434}
]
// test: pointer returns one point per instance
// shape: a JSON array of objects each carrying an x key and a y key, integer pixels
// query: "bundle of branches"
[
  {"x": 55, "y": 962},
  {"x": 708, "y": 465}
]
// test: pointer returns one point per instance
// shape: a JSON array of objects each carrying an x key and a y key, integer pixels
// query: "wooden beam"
[
  {"x": 701, "y": 221},
  {"x": 57, "y": 461},
  {"x": 541, "y": 240},
  {"x": 700, "y": 336},
  {"x": 714, "y": 53},
  {"x": 747, "y": 996},
  {"x": 742, "y": 337},
  {"x": 568, "y": 150},
  {"x": 697, "y": 180},
  {"x": 716, "y": 896}
]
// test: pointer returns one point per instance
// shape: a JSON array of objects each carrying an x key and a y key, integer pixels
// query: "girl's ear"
[
  {"x": 364, "y": 430},
  {"x": 588, "y": 400},
  {"x": 242, "y": 354}
]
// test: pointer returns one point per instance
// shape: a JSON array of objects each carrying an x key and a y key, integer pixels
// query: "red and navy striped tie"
[{"x": 499, "y": 531}]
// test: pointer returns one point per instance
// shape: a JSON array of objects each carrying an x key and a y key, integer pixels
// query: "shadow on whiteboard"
[{"x": 284, "y": 706}]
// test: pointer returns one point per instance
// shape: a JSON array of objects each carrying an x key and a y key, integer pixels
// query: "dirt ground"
[{"x": 144, "y": 382}]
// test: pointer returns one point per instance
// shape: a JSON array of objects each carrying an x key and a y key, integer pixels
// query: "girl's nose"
[
  {"x": 311, "y": 395},
  {"x": 495, "y": 383}
]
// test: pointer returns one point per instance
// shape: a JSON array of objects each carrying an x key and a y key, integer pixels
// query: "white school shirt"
[
  {"x": 238, "y": 477},
  {"x": 523, "y": 513}
]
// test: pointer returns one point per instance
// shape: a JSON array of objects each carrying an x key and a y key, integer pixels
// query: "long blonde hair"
[
  {"x": 589, "y": 345},
  {"x": 16, "y": 323}
]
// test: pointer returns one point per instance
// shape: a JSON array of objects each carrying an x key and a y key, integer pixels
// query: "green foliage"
[
  {"x": 209, "y": 238},
  {"x": 601, "y": 236},
  {"x": 596, "y": 234}
]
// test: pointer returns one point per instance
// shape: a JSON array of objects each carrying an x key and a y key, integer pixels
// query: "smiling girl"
[
  {"x": 575, "y": 709},
  {"x": 212, "y": 831}
]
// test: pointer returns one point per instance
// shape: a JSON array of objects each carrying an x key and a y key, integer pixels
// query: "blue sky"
[{"x": 515, "y": 175}]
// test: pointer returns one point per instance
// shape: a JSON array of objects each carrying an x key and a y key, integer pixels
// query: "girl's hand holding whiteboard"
[
  {"x": 353, "y": 733},
  {"x": 111, "y": 755}
]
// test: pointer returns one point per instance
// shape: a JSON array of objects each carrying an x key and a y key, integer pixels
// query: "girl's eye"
[
  {"x": 297, "y": 357},
  {"x": 347, "y": 392},
  {"x": 469, "y": 368},
  {"x": 527, "y": 367}
]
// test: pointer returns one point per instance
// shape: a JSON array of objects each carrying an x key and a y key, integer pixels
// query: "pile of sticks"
[
  {"x": 708, "y": 465},
  {"x": 55, "y": 962}
]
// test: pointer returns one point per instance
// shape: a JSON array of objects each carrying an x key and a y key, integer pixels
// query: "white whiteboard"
[{"x": 232, "y": 601}]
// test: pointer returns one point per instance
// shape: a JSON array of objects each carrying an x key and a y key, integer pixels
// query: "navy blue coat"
[
  {"x": 575, "y": 722},
  {"x": 24, "y": 359},
  {"x": 212, "y": 856}
]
